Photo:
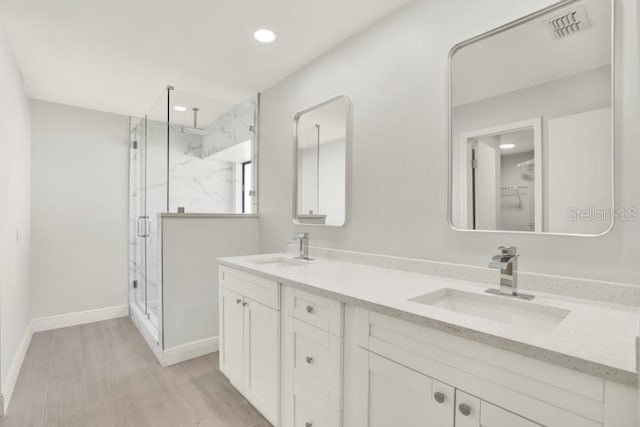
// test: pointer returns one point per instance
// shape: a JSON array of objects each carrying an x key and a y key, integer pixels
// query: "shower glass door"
[
  {"x": 148, "y": 199},
  {"x": 156, "y": 196},
  {"x": 156, "y": 189}
]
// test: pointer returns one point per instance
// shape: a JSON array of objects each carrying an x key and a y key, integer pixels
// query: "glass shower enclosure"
[
  {"x": 188, "y": 154},
  {"x": 148, "y": 199}
]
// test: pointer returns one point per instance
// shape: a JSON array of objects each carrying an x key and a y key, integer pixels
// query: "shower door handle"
[
  {"x": 143, "y": 228},
  {"x": 138, "y": 226}
]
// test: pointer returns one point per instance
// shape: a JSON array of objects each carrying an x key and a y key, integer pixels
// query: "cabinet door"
[
  {"x": 262, "y": 358},
  {"x": 231, "y": 336},
  {"x": 473, "y": 412},
  {"x": 399, "y": 396}
]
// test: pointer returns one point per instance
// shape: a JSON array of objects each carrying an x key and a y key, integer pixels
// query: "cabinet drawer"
[
  {"x": 257, "y": 288},
  {"x": 318, "y": 364},
  {"x": 312, "y": 412},
  {"x": 321, "y": 312}
]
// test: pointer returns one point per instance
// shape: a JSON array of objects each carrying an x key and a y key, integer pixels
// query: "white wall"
[
  {"x": 396, "y": 75},
  {"x": 578, "y": 171},
  {"x": 328, "y": 196},
  {"x": 191, "y": 246},
  {"x": 15, "y": 191},
  {"x": 79, "y": 209},
  {"x": 308, "y": 177}
]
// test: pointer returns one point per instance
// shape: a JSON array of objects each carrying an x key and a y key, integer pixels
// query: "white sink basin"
[
  {"x": 280, "y": 262},
  {"x": 510, "y": 311}
]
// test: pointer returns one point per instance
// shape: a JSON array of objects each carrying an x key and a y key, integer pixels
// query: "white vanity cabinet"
[
  {"x": 305, "y": 359},
  {"x": 395, "y": 368},
  {"x": 401, "y": 396},
  {"x": 250, "y": 338},
  {"x": 312, "y": 360}
]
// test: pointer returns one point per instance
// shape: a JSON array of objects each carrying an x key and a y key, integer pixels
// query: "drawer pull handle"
[
  {"x": 464, "y": 409},
  {"x": 238, "y": 301},
  {"x": 309, "y": 360},
  {"x": 308, "y": 424},
  {"x": 439, "y": 397},
  {"x": 309, "y": 309}
]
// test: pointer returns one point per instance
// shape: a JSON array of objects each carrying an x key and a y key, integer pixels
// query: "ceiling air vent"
[{"x": 570, "y": 22}]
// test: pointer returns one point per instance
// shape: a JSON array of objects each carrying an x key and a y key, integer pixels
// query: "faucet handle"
[
  {"x": 508, "y": 250},
  {"x": 296, "y": 237}
]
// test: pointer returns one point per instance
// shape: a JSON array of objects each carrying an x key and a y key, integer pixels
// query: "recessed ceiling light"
[
  {"x": 179, "y": 108},
  {"x": 507, "y": 146},
  {"x": 264, "y": 36}
]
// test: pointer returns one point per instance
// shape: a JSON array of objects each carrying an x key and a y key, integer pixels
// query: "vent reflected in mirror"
[{"x": 531, "y": 136}]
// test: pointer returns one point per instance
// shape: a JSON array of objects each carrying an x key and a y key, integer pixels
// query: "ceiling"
[
  {"x": 119, "y": 55},
  {"x": 528, "y": 55},
  {"x": 209, "y": 109},
  {"x": 521, "y": 139}
]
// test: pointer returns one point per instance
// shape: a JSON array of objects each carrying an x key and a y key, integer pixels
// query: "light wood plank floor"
[{"x": 103, "y": 374}]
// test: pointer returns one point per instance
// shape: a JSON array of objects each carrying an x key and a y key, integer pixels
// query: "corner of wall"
[
  {"x": 9, "y": 383},
  {"x": 15, "y": 223}
]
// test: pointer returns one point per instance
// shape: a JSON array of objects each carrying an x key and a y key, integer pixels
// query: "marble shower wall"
[
  {"x": 231, "y": 128},
  {"x": 198, "y": 181},
  {"x": 200, "y": 185}
]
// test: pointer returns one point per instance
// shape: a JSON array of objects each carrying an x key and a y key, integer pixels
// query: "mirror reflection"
[
  {"x": 322, "y": 135},
  {"x": 501, "y": 174},
  {"x": 531, "y": 124}
]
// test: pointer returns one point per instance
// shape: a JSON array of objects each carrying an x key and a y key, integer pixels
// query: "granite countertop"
[{"x": 594, "y": 338}]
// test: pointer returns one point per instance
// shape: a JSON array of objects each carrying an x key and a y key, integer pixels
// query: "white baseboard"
[
  {"x": 189, "y": 351},
  {"x": 79, "y": 318},
  {"x": 9, "y": 383}
]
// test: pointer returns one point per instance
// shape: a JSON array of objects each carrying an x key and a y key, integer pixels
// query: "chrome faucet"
[
  {"x": 303, "y": 240},
  {"x": 507, "y": 263}
]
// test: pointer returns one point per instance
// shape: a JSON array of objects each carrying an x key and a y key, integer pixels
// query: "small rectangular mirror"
[
  {"x": 322, "y": 147},
  {"x": 531, "y": 124}
]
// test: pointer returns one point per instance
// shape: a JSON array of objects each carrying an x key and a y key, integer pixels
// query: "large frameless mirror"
[
  {"x": 322, "y": 147},
  {"x": 531, "y": 124}
]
